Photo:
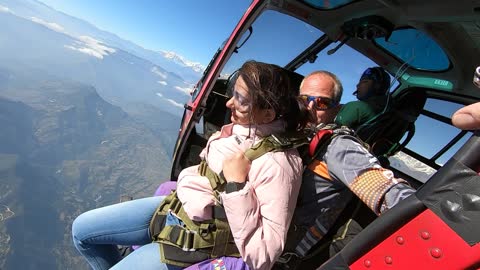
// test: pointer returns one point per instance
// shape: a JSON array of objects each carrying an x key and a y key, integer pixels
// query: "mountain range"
[
  {"x": 411, "y": 166},
  {"x": 121, "y": 71},
  {"x": 85, "y": 118},
  {"x": 66, "y": 150}
]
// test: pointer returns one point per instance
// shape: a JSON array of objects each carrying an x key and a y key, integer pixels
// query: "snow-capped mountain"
[
  {"x": 411, "y": 166},
  {"x": 122, "y": 72},
  {"x": 190, "y": 71},
  {"x": 180, "y": 60}
]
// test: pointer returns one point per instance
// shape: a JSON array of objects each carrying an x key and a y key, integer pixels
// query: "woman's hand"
[{"x": 236, "y": 168}]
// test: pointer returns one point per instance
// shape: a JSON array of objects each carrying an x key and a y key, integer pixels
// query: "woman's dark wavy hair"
[{"x": 270, "y": 88}]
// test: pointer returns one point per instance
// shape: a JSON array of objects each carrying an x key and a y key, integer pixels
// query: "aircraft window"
[
  {"x": 445, "y": 157},
  {"x": 270, "y": 31},
  {"x": 348, "y": 71},
  {"x": 442, "y": 107},
  {"x": 419, "y": 170},
  {"x": 196, "y": 90},
  {"x": 265, "y": 37},
  {"x": 415, "y": 48},
  {"x": 321, "y": 4},
  {"x": 431, "y": 136}
]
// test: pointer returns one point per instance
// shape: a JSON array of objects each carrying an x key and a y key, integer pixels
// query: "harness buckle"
[
  {"x": 342, "y": 130},
  {"x": 188, "y": 242},
  {"x": 287, "y": 257},
  {"x": 282, "y": 141},
  {"x": 205, "y": 229}
]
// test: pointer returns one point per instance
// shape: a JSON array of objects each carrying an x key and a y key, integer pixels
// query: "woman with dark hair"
[{"x": 258, "y": 201}]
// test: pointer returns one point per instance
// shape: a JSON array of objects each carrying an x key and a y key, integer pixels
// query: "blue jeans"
[{"x": 97, "y": 233}]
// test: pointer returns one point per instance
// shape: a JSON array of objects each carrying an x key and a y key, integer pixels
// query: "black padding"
[
  {"x": 194, "y": 147},
  {"x": 469, "y": 154},
  {"x": 175, "y": 233},
  {"x": 335, "y": 263},
  {"x": 453, "y": 193},
  {"x": 215, "y": 108},
  {"x": 176, "y": 254},
  {"x": 455, "y": 198},
  {"x": 219, "y": 212},
  {"x": 158, "y": 225},
  {"x": 344, "y": 235}
]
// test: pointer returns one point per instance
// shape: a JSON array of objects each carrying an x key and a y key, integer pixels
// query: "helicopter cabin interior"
[{"x": 429, "y": 48}]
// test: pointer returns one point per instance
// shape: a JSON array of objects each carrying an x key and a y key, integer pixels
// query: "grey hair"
[{"x": 337, "y": 85}]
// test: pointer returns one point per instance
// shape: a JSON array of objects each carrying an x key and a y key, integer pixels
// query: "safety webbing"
[
  {"x": 258, "y": 150},
  {"x": 213, "y": 237},
  {"x": 275, "y": 143},
  {"x": 217, "y": 181}
]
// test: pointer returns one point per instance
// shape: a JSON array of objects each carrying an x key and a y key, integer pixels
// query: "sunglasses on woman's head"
[{"x": 319, "y": 103}]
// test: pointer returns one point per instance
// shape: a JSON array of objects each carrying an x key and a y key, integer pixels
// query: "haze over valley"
[{"x": 85, "y": 117}]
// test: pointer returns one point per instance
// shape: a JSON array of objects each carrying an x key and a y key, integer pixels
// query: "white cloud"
[
  {"x": 162, "y": 82},
  {"x": 186, "y": 90},
  {"x": 86, "y": 51},
  {"x": 157, "y": 71},
  {"x": 50, "y": 25},
  {"x": 5, "y": 9},
  {"x": 96, "y": 45},
  {"x": 84, "y": 44},
  {"x": 91, "y": 46},
  {"x": 175, "y": 103}
]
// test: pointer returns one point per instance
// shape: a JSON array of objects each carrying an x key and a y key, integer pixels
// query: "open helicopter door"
[{"x": 436, "y": 228}]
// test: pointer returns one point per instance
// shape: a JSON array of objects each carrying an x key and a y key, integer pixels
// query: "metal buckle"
[
  {"x": 282, "y": 141},
  {"x": 205, "y": 229},
  {"x": 188, "y": 242},
  {"x": 286, "y": 257}
]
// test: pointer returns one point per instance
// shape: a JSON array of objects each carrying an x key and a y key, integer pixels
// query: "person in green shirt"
[{"x": 372, "y": 90}]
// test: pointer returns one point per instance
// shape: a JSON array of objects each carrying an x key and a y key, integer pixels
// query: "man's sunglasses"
[{"x": 319, "y": 103}]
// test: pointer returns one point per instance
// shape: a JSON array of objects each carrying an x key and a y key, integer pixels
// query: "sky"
[{"x": 193, "y": 29}]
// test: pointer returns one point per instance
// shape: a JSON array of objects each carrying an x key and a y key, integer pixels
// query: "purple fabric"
[
  {"x": 222, "y": 263},
  {"x": 165, "y": 188}
]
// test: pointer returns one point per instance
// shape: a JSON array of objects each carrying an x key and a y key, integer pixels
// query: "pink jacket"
[{"x": 260, "y": 213}]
